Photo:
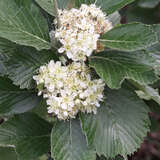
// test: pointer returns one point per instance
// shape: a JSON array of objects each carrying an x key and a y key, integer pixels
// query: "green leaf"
[
  {"x": 154, "y": 51},
  {"x": 120, "y": 125},
  {"x": 150, "y": 92},
  {"x": 3, "y": 70},
  {"x": 148, "y": 3},
  {"x": 155, "y": 112},
  {"x": 115, "y": 66},
  {"x": 24, "y": 64},
  {"x": 136, "y": 14},
  {"x": 156, "y": 29},
  {"x": 154, "y": 125},
  {"x": 43, "y": 158},
  {"x": 63, "y": 4},
  {"x": 41, "y": 110},
  {"x": 115, "y": 18},
  {"x": 21, "y": 63},
  {"x": 103, "y": 158},
  {"x": 154, "y": 107},
  {"x": 130, "y": 37},
  {"x": 49, "y": 7},
  {"x": 7, "y": 153},
  {"x": 22, "y": 3},
  {"x": 108, "y": 6},
  {"x": 13, "y": 100},
  {"x": 68, "y": 142},
  {"x": 24, "y": 24},
  {"x": 6, "y": 48},
  {"x": 29, "y": 133}
]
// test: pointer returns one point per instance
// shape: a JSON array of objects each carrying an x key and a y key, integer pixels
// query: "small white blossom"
[
  {"x": 80, "y": 30},
  {"x": 69, "y": 89}
]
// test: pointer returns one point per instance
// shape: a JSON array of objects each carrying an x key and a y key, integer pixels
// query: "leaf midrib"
[
  {"x": 25, "y": 32},
  {"x": 119, "y": 41},
  {"x": 70, "y": 137},
  {"x": 115, "y": 62}
]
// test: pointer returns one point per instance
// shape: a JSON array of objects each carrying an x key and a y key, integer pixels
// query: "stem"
[
  {"x": 149, "y": 91},
  {"x": 57, "y": 15}
]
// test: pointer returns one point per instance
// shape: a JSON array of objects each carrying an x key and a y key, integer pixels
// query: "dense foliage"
[{"x": 127, "y": 61}]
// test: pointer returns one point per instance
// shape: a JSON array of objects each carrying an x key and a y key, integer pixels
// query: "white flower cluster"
[
  {"x": 69, "y": 89},
  {"x": 80, "y": 30}
]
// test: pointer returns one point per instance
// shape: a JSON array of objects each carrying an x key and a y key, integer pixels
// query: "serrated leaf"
[
  {"x": 24, "y": 64},
  {"x": 49, "y": 7},
  {"x": 13, "y": 100},
  {"x": 120, "y": 125},
  {"x": 7, "y": 153},
  {"x": 108, "y": 6},
  {"x": 23, "y": 24},
  {"x": 115, "y": 66},
  {"x": 130, "y": 37},
  {"x": 68, "y": 142},
  {"x": 21, "y": 63},
  {"x": 29, "y": 133}
]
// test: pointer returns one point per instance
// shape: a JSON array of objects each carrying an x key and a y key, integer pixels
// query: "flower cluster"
[
  {"x": 69, "y": 89},
  {"x": 80, "y": 30}
]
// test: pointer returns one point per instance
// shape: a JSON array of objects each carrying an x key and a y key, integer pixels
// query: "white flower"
[
  {"x": 80, "y": 30},
  {"x": 69, "y": 89}
]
